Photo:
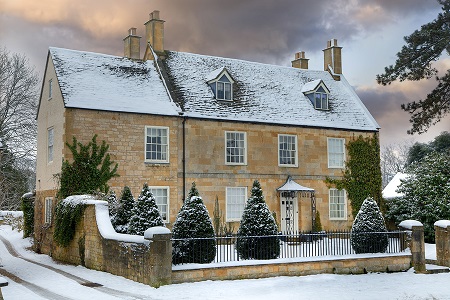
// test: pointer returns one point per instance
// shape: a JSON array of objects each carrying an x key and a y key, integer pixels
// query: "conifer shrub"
[
  {"x": 369, "y": 233},
  {"x": 120, "y": 218},
  {"x": 257, "y": 233},
  {"x": 145, "y": 213},
  {"x": 28, "y": 216},
  {"x": 193, "y": 222}
]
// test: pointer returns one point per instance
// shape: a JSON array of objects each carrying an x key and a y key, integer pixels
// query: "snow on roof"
[
  {"x": 214, "y": 74},
  {"x": 105, "y": 82},
  {"x": 390, "y": 191},
  {"x": 311, "y": 86},
  {"x": 263, "y": 93}
]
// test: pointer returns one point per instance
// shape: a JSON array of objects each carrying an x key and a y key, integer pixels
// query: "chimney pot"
[
  {"x": 154, "y": 15},
  {"x": 132, "y": 31}
]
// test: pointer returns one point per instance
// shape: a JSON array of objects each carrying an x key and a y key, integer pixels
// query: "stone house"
[{"x": 173, "y": 118}]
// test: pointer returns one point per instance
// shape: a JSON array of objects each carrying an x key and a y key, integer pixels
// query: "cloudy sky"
[{"x": 268, "y": 31}]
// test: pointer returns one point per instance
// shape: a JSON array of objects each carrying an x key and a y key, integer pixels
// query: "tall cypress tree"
[
  {"x": 145, "y": 213},
  {"x": 257, "y": 220},
  {"x": 193, "y": 221}
]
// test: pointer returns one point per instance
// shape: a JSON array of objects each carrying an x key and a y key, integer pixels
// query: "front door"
[{"x": 289, "y": 213}]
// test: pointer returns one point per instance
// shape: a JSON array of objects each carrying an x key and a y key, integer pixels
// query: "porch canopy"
[{"x": 291, "y": 185}]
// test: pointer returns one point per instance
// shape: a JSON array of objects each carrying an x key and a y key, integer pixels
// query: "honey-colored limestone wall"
[
  {"x": 205, "y": 159},
  {"x": 205, "y": 164},
  {"x": 51, "y": 114},
  {"x": 380, "y": 263}
]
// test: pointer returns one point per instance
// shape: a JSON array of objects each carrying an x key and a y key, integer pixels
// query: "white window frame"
[
  {"x": 153, "y": 190},
  {"x": 226, "y": 86},
  {"x": 244, "y": 149},
  {"x": 332, "y": 196},
  {"x": 50, "y": 144},
  {"x": 331, "y": 154},
  {"x": 280, "y": 164},
  {"x": 233, "y": 207},
  {"x": 50, "y": 88},
  {"x": 48, "y": 206},
  {"x": 162, "y": 145}
]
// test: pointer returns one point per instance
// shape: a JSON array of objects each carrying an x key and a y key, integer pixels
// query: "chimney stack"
[
  {"x": 300, "y": 61},
  {"x": 132, "y": 45},
  {"x": 333, "y": 58},
  {"x": 154, "y": 35}
]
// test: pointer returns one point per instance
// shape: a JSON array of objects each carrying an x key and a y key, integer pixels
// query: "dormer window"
[
  {"x": 317, "y": 92},
  {"x": 221, "y": 84}
]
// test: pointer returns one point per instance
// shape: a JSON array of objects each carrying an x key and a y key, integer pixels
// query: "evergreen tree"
[
  {"x": 121, "y": 219},
  {"x": 193, "y": 221},
  {"x": 113, "y": 204},
  {"x": 90, "y": 170},
  {"x": 426, "y": 194},
  {"x": 258, "y": 229},
  {"x": 145, "y": 213},
  {"x": 367, "y": 229},
  {"x": 414, "y": 62}
]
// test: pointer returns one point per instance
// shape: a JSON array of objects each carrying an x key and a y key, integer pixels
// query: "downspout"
[{"x": 184, "y": 156}]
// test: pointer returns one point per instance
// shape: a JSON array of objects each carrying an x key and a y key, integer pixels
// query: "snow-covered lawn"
[{"x": 406, "y": 285}]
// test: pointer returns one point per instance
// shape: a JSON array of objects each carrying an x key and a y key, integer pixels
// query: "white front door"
[{"x": 289, "y": 214}]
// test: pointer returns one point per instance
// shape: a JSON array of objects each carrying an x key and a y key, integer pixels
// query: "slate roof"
[
  {"x": 262, "y": 93},
  {"x": 105, "y": 82}
]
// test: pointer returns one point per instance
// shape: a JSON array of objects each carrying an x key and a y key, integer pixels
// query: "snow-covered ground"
[{"x": 43, "y": 283}]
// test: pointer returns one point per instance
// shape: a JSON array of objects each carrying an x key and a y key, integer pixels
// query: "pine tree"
[
  {"x": 256, "y": 224},
  {"x": 368, "y": 229},
  {"x": 145, "y": 213},
  {"x": 193, "y": 221},
  {"x": 113, "y": 204},
  {"x": 414, "y": 62},
  {"x": 121, "y": 219}
]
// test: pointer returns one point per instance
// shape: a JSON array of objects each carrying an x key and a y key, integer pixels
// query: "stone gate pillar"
[
  {"x": 417, "y": 244},
  {"x": 442, "y": 230},
  {"x": 159, "y": 256}
]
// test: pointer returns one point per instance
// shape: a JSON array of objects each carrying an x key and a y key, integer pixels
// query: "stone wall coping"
[
  {"x": 149, "y": 233},
  {"x": 107, "y": 230},
  {"x": 288, "y": 261},
  {"x": 409, "y": 224},
  {"x": 442, "y": 223}
]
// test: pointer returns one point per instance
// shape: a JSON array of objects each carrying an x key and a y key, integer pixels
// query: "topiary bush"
[
  {"x": 193, "y": 221},
  {"x": 257, "y": 222},
  {"x": 120, "y": 219},
  {"x": 145, "y": 213},
  {"x": 369, "y": 220}
]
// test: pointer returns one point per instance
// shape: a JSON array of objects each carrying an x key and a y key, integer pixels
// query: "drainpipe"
[{"x": 184, "y": 155}]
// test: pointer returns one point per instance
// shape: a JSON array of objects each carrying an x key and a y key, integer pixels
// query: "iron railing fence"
[{"x": 292, "y": 245}]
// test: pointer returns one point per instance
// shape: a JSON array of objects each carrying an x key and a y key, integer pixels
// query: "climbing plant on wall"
[
  {"x": 88, "y": 173},
  {"x": 362, "y": 174}
]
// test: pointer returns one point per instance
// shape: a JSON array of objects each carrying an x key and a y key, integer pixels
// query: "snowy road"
[{"x": 33, "y": 276}]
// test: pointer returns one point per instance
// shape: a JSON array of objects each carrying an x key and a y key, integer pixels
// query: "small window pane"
[
  {"x": 227, "y": 91},
  {"x": 220, "y": 90}
]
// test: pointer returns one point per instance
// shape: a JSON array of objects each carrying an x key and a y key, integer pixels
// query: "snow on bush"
[
  {"x": 367, "y": 229},
  {"x": 145, "y": 213},
  {"x": 193, "y": 221},
  {"x": 257, "y": 222},
  {"x": 120, "y": 218},
  {"x": 426, "y": 194}
]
